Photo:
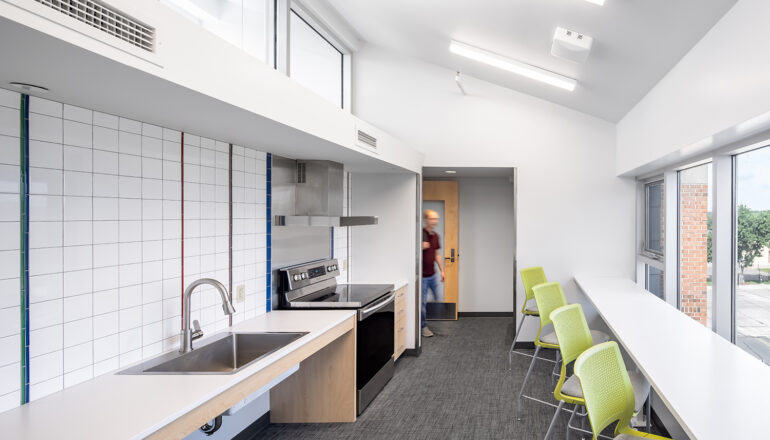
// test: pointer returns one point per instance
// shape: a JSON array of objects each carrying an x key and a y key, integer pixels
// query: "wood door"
[{"x": 447, "y": 192}]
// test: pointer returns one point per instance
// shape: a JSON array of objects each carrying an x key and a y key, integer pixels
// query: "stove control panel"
[{"x": 304, "y": 275}]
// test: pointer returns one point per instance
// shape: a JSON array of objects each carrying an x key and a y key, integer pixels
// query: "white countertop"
[
  {"x": 713, "y": 388},
  {"x": 122, "y": 406}
]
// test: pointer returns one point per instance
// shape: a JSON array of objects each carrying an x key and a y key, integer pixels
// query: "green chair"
[
  {"x": 549, "y": 297},
  {"x": 530, "y": 277},
  {"x": 571, "y": 328},
  {"x": 609, "y": 395}
]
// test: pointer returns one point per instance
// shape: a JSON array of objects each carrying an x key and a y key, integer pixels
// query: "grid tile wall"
[
  {"x": 10, "y": 325},
  {"x": 106, "y": 240},
  {"x": 206, "y": 226},
  {"x": 249, "y": 228}
]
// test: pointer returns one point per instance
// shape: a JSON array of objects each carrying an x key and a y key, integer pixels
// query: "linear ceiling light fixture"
[
  {"x": 596, "y": 2},
  {"x": 513, "y": 66}
]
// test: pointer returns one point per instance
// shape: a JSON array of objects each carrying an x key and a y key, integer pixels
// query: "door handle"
[{"x": 452, "y": 257}]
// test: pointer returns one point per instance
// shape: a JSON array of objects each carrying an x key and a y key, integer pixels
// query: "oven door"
[{"x": 374, "y": 345}]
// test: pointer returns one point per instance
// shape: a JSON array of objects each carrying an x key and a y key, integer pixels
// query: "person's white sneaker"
[{"x": 426, "y": 333}]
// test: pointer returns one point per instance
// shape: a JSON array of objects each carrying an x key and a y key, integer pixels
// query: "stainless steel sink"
[{"x": 221, "y": 354}]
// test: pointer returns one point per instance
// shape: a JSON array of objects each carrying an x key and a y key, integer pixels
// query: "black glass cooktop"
[{"x": 343, "y": 296}]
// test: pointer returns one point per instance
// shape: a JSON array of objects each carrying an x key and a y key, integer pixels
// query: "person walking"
[{"x": 430, "y": 257}]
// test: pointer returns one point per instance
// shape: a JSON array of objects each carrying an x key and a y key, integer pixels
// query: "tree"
[
  {"x": 753, "y": 235},
  {"x": 708, "y": 241}
]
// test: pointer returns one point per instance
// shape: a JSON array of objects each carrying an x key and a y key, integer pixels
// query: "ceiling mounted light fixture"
[
  {"x": 513, "y": 66},
  {"x": 450, "y": 172},
  {"x": 596, "y": 2}
]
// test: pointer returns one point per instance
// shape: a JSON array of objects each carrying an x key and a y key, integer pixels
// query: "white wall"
[
  {"x": 486, "y": 245},
  {"x": 386, "y": 253},
  {"x": 703, "y": 101},
  {"x": 574, "y": 214}
]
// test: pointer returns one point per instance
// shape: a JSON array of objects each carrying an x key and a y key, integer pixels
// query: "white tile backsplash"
[
  {"x": 78, "y": 159},
  {"x": 105, "y": 138},
  {"x": 105, "y": 185},
  {"x": 9, "y": 121},
  {"x": 9, "y": 145},
  {"x": 45, "y": 154},
  {"x": 45, "y": 181},
  {"x": 77, "y": 134},
  {"x": 106, "y": 235},
  {"x": 45, "y": 128},
  {"x": 78, "y": 114},
  {"x": 78, "y": 183}
]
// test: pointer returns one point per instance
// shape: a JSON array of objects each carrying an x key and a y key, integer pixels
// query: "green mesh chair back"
[
  {"x": 531, "y": 277},
  {"x": 571, "y": 328},
  {"x": 607, "y": 390},
  {"x": 574, "y": 336},
  {"x": 549, "y": 297}
]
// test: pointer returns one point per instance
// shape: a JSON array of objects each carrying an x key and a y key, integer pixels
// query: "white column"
[
  {"x": 671, "y": 250},
  {"x": 722, "y": 246}
]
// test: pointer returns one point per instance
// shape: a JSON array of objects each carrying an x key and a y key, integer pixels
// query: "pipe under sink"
[{"x": 226, "y": 353}]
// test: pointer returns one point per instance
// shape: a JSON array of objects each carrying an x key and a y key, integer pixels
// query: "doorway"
[
  {"x": 485, "y": 250},
  {"x": 442, "y": 197}
]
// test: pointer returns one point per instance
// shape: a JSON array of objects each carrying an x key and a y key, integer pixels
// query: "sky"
[{"x": 753, "y": 179}]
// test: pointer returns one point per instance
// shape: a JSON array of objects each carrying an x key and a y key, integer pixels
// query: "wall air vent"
[
  {"x": 301, "y": 172},
  {"x": 106, "y": 19},
  {"x": 366, "y": 140}
]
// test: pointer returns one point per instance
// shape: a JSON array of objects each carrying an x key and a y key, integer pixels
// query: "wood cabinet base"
[{"x": 324, "y": 388}]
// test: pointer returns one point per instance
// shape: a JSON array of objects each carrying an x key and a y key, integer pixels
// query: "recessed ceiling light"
[
  {"x": 513, "y": 66},
  {"x": 450, "y": 172},
  {"x": 596, "y": 2},
  {"x": 26, "y": 88}
]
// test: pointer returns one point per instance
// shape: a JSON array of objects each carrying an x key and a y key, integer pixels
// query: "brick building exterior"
[{"x": 694, "y": 235}]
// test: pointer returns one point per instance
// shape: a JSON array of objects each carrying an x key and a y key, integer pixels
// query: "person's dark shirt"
[{"x": 429, "y": 254}]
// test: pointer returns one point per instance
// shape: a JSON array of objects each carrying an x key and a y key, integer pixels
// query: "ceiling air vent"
[
  {"x": 366, "y": 140},
  {"x": 106, "y": 19}
]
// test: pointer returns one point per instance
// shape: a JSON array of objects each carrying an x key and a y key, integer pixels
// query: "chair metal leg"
[
  {"x": 515, "y": 338},
  {"x": 649, "y": 412},
  {"x": 524, "y": 384},
  {"x": 553, "y": 420},
  {"x": 569, "y": 422},
  {"x": 556, "y": 367}
]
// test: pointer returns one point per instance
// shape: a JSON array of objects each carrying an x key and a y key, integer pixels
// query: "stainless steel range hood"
[{"x": 309, "y": 193}]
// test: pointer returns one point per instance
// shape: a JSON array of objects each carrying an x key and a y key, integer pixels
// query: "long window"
[
  {"x": 654, "y": 238},
  {"x": 695, "y": 235},
  {"x": 750, "y": 250},
  {"x": 314, "y": 62}
]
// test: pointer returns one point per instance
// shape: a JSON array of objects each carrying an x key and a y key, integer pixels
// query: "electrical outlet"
[{"x": 240, "y": 293}]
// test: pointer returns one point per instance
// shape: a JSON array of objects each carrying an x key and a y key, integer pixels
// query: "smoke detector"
[{"x": 571, "y": 45}]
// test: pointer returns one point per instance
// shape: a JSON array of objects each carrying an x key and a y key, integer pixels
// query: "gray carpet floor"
[{"x": 460, "y": 387}]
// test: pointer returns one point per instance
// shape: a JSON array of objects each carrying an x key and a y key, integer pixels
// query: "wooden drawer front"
[{"x": 399, "y": 339}]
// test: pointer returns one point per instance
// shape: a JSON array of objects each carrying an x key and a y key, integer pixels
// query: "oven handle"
[{"x": 369, "y": 310}]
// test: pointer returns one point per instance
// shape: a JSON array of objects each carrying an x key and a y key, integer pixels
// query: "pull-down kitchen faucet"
[{"x": 187, "y": 336}]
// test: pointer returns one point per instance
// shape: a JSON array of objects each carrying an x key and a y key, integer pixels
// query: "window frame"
[
  {"x": 658, "y": 256},
  {"x": 282, "y": 46}
]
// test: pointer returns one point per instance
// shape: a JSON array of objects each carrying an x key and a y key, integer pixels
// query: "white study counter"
[
  {"x": 126, "y": 406},
  {"x": 713, "y": 388}
]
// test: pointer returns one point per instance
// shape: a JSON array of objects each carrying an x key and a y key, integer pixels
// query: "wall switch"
[{"x": 240, "y": 293}]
